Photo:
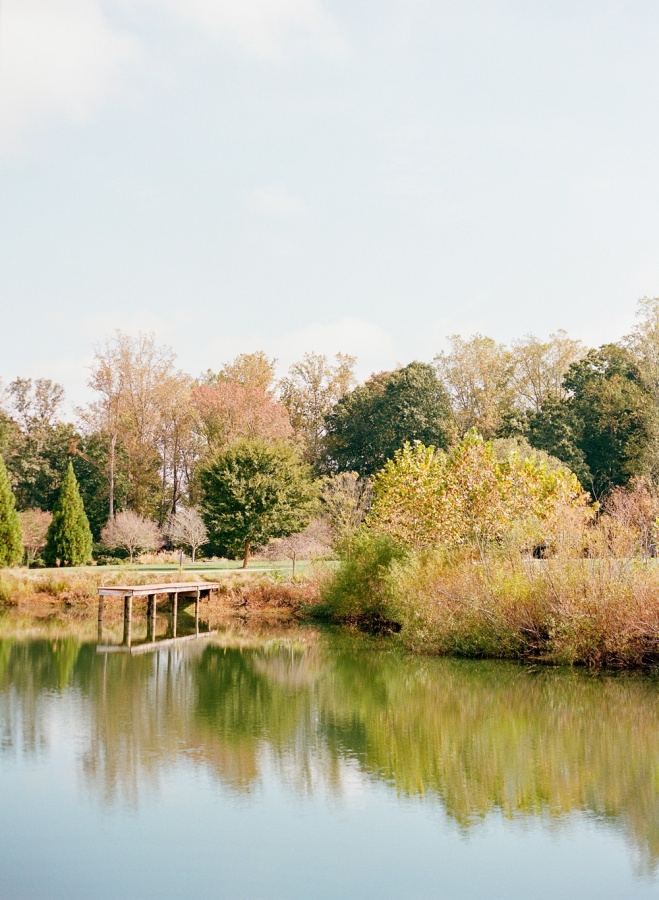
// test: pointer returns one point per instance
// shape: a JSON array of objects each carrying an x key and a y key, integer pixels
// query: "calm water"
[{"x": 322, "y": 766}]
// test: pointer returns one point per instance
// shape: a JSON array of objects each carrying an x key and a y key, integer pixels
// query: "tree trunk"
[
  {"x": 193, "y": 554},
  {"x": 246, "y": 556},
  {"x": 113, "y": 443},
  {"x": 294, "y": 556}
]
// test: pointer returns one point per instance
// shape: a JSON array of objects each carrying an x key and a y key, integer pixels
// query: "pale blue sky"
[{"x": 322, "y": 175}]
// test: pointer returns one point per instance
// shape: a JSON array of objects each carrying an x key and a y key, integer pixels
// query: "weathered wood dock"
[{"x": 185, "y": 591}]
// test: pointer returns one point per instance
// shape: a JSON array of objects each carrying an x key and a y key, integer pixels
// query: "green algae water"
[{"x": 320, "y": 765}]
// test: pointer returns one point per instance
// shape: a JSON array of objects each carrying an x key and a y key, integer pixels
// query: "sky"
[{"x": 322, "y": 175}]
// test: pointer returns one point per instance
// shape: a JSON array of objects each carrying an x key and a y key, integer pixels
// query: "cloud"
[
  {"x": 59, "y": 59},
  {"x": 266, "y": 29},
  {"x": 275, "y": 200}
]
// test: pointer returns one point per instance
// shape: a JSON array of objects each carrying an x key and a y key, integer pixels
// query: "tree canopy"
[
  {"x": 427, "y": 498},
  {"x": 255, "y": 491},
  {"x": 369, "y": 424}
]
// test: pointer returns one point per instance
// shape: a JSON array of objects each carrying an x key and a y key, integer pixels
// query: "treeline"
[{"x": 151, "y": 437}]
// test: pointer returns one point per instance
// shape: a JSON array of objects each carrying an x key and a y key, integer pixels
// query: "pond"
[{"x": 319, "y": 765}]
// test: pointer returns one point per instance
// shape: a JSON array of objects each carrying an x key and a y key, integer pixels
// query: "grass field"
[{"x": 283, "y": 567}]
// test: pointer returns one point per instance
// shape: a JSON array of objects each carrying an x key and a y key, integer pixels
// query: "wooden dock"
[{"x": 182, "y": 590}]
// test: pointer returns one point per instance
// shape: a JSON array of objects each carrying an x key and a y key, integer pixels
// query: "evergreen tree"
[
  {"x": 11, "y": 536},
  {"x": 69, "y": 535}
]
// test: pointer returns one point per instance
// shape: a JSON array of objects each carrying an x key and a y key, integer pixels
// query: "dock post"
[
  {"x": 196, "y": 612},
  {"x": 100, "y": 618},
  {"x": 174, "y": 599},
  {"x": 151, "y": 607},
  {"x": 128, "y": 619}
]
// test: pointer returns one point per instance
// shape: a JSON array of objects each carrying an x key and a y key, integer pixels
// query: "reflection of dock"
[
  {"x": 184, "y": 591},
  {"x": 135, "y": 649}
]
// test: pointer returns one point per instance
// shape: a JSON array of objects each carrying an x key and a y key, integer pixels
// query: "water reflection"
[{"x": 472, "y": 737}]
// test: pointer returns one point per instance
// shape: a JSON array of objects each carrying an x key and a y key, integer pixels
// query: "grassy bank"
[
  {"x": 265, "y": 594},
  {"x": 601, "y": 612}
]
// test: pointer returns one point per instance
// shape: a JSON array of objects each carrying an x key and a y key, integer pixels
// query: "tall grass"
[{"x": 599, "y": 611}]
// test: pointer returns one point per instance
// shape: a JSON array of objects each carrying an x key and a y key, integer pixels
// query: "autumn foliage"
[{"x": 428, "y": 498}]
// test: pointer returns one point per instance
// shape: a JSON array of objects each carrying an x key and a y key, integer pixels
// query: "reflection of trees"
[
  {"x": 475, "y": 737},
  {"x": 29, "y": 673},
  {"x": 492, "y": 736}
]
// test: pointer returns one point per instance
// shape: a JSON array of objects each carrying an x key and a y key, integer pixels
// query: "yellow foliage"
[{"x": 427, "y": 498}]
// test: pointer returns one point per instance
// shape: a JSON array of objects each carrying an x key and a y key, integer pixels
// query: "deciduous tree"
[
  {"x": 130, "y": 377},
  {"x": 187, "y": 528},
  {"x": 251, "y": 370},
  {"x": 34, "y": 524},
  {"x": 539, "y": 367},
  {"x": 309, "y": 392},
  {"x": 370, "y": 423},
  {"x": 230, "y": 411},
  {"x": 478, "y": 376},
  {"x": 345, "y": 501},
  {"x": 255, "y": 491},
  {"x": 131, "y": 532},
  {"x": 427, "y": 498}
]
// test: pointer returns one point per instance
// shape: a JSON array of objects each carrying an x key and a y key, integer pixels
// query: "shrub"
[
  {"x": 359, "y": 590},
  {"x": 131, "y": 532}
]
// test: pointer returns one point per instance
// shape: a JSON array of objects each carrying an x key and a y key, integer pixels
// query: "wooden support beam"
[
  {"x": 174, "y": 599},
  {"x": 196, "y": 612},
  {"x": 128, "y": 619},
  {"x": 151, "y": 610},
  {"x": 100, "y": 620}
]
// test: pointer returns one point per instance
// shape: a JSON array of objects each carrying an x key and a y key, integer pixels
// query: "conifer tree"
[
  {"x": 69, "y": 536},
  {"x": 11, "y": 536}
]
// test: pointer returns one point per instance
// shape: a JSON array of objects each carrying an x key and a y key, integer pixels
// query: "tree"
[
  {"x": 254, "y": 491},
  {"x": 369, "y": 424},
  {"x": 35, "y": 524},
  {"x": 131, "y": 532},
  {"x": 178, "y": 442},
  {"x": 643, "y": 344},
  {"x": 91, "y": 464},
  {"x": 38, "y": 446},
  {"x": 11, "y": 538},
  {"x": 69, "y": 540},
  {"x": 314, "y": 541},
  {"x": 131, "y": 377},
  {"x": 252, "y": 370},
  {"x": 229, "y": 411},
  {"x": 187, "y": 529},
  {"x": 477, "y": 374},
  {"x": 556, "y": 429},
  {"x": 345, "y": 501},
  {"x": 539, "y": 367},
  {"x": 612, "y": 414},
  {"x": 309, "y": 392},
  {"x": 427, "y": 498}
]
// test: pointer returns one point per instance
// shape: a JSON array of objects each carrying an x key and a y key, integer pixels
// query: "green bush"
[{"x": 359, "y": 590}]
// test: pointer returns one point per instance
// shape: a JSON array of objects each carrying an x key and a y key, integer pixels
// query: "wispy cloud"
[
  {"x": 275, "y": 200},
  {"x": 266, "y": 29},
  {"x": 59, "y": 59}
]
